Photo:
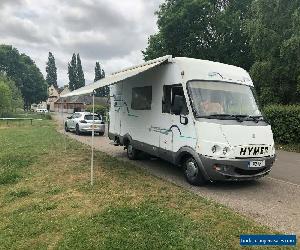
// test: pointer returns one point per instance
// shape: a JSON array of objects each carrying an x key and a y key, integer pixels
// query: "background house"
[
  {"x": 54, "y": 94},
  {"x": 70, "y": 104},
  {"x": 73, "y": 104}
]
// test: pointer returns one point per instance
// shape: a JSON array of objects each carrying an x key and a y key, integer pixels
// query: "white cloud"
[{"x": 112, "y": 32}]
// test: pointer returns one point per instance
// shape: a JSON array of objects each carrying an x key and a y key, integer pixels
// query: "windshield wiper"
[
  {"x": 256, "y": 118},
  {"x": 213, "y": 116},
  {"x": 222, "y": 117},
  {"x": 239, "y": 118}
]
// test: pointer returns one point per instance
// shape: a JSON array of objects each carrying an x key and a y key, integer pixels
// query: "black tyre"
[
  {"x": 77, "y": 131},
  {"x": 132, "y": 153},
  {"x": 66, "y": 128},
  {"x": 193, "y": 173},
  {"x": 101, "y": 133}
]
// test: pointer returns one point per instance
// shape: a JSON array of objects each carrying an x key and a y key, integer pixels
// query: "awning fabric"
[{"x": 119, "y": 76}]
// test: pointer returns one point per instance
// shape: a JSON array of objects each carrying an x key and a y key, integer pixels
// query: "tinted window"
[
  {"x": 169, "y": 91},
  {"x": 90, "y": 117},
  {"x": 141, "y": 98}
]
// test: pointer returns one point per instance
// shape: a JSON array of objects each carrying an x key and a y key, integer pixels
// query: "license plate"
[
  {"x": 256, "y": 164},
  {"x": 94, "y": 126}
]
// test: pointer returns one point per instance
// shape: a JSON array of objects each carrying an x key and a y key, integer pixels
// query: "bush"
[
  {"x": 285, "y": 122},
  {"x": 99, "y": 109}
]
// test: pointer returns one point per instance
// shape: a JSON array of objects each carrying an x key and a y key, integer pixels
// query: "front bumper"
[
  {"x": 88, "y": 128},
  {"x": 235, "y": 169}
]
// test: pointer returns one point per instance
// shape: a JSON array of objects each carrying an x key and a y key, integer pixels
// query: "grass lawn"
[{"x": 46, "y": 201}]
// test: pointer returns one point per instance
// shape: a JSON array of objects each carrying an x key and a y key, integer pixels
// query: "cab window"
[{"x": 169, "y": 92}]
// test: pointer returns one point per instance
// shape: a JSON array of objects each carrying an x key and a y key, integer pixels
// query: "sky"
[{"x": 112, "y": 32}]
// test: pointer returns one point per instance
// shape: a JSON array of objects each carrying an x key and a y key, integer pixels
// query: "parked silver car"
[{"x": 81, "y": 122}]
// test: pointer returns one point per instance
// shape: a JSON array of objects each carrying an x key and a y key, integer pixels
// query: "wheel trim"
[{"x": 191, "y": 169}]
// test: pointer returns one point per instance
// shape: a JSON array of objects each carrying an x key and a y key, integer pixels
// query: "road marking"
[{"x": 286, "y": 182}]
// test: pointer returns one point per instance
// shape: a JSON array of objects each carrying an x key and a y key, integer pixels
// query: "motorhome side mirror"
[
  {"x": 178, "y": 104},
  {"x": 184, "y": 120}
]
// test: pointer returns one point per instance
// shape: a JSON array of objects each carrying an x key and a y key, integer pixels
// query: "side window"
[
  {"x": 169, "y": 92},
  {"x": 141, "y": 98}
]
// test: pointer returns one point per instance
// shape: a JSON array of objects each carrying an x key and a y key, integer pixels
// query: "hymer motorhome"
[{"x": 197, "y": 114}]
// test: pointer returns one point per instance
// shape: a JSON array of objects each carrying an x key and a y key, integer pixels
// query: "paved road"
[{"x": 273, "y": 201}]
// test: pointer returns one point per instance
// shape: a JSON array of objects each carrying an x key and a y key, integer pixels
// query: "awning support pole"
[
  {"x": 65, "y": 136},
  {"x": 92, "y": 157},
  {"x": 63, "y": 123}
]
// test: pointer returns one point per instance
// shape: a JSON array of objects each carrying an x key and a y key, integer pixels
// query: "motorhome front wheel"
[{"x": 193, "y": 173}]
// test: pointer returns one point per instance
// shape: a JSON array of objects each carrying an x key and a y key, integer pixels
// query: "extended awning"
[
  {"x": 119, "y": 76},
  {"x": 109, "y": 80}
]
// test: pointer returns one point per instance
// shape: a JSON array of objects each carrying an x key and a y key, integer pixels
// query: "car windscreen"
[{"x": 90, "y": 117}]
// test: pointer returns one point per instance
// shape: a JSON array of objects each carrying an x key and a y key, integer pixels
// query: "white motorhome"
[{"x": 198, "y": 114}]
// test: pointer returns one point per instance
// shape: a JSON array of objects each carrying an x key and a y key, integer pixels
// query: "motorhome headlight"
[{"x": 226, "y": 150}]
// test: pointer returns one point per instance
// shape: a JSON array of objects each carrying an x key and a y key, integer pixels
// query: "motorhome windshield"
[{"x": 223, "y": 100}]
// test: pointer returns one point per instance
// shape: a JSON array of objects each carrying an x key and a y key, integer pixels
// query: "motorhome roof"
[
  {"x": 212, "y": 71},
  {"x": 193, "y": 69}
]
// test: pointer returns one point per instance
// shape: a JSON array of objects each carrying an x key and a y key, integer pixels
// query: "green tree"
[
  {"x": 35, "y": 88},
  {"x": 16, "y": 100},
  {"x": 99, "y": 74},
  {"x": 80, "y": 75},
  {"x": 72, "y": 72},
  {"x": 274, "y": 31},
  {"x": 206, "y": 29},
  {"x": 51, "y": 70},
  {"x": 5, "y": 98},
  {"x": 24, "y": 72}
]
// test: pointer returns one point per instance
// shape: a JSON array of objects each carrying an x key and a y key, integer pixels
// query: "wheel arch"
[
  {"x": 126, "y": 140},
  {"x": 186, "y": 152}
]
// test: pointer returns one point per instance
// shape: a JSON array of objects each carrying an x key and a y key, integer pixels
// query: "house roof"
[
  {"x": 84, "y": 99},
  {"x": 71, "y": 99}
]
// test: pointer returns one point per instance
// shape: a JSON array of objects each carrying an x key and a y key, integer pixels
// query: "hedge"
[
  {"x": 285, "y": 122},
  {"x": 99, "y": 109}
]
